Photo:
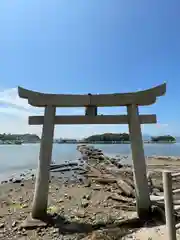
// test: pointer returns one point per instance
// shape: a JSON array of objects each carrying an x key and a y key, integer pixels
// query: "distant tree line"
[
  {"x": 22, "y": 137},
  {"x": 165, "y": 138},
  {"x": 124, "y": 137},
  {"x": 106, "y": 137}
]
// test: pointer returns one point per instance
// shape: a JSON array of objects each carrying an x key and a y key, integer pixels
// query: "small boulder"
[
  {"x": 2, "y": 182},
  {"x": 16, "y": 180},
  {"x": 101, "y": 157},
  {"x": 2, "y": 225},
  {"x": 80, "y": 213},
  {"x": 84, "y": 203},
  {"x": 14, "y": 224}
]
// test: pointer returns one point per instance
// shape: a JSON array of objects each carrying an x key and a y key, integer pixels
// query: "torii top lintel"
[{"x": 141, "y": 98}]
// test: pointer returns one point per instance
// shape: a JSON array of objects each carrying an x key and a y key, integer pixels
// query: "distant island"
[
  {"x": 117, "y": 138},
  {"x": 105, "y": 138},
  {"x": 109, "y": 138},
  {"x": 125, "y": 138},
  {"x": 163, "y": 139},
  {"x": 18, "y": 138}
]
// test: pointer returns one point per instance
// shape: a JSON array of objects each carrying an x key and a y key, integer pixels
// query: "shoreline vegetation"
[
  {"x": 106, "y": 138},
  {"x": 93, "y": 198},
  {"x": 18, "y": 138},
  {"x": 117, "y": 138}
]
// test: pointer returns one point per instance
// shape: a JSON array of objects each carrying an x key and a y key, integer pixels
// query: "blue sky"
[{"x": 89, "y": 46}]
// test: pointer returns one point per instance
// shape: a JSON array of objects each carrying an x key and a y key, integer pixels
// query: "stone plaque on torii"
[{"x": 91, "y": 102}]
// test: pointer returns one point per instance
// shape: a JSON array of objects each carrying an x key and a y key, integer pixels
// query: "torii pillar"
[{"x": 139, "y": 164}]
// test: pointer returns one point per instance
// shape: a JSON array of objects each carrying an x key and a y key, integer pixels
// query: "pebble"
[
  {"x": 97, "y": 187},
  {"x": 87, "y": 197},
  {"x": 2, "y": 182},
  {"x": 84, "y": 203},
  {"x": 24, "y": 206},
  {"x": 2, "y": 225},
  {"x": 14, "y": 224},
  {"x": 80, "y": 213},
  {"x": 88, "y": 184},
  {"x": 66, "y": 195},
  {"x": 106, "y": 204},
  {"x": 16, "y": 180}
]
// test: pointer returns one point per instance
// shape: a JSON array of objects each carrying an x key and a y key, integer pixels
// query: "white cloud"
[
  {"x": 14, "y": 113},
  {"x": 10, "y": 97}
]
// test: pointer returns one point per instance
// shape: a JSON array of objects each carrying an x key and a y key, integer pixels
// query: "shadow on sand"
[
  {"x": 110, "y": 231},
  {"x": 102, "y": 230}
]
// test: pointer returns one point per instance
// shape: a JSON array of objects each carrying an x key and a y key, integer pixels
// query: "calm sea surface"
[{"x": 15, "y": 159}]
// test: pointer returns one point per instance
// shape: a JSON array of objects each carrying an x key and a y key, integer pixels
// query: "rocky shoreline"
[
  {"x": 120, "y": 160},
  {"x": 91, "y": 199}
]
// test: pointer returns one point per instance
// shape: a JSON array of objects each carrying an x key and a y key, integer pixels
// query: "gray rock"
[
  {"x": 87, "y": 196},
  {"x": 97, "y": 187},
  {"x": 2, "y": 225},
  {"x": 88, "y": 183},
  {"x": 101, "y": 157},
  {"x": 16, "y": 180},
  {"x": 2, "y": 182},
  {"x": 80, "y": 213},
  {"x": 84, "y": 203},
  {"x": 14, "y": 224}
]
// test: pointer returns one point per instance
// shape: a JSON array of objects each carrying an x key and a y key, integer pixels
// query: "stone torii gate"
[{"x": 91, "y": 102}]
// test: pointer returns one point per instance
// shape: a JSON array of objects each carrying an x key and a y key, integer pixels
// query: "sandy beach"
[{"x": 82, "y": 207}]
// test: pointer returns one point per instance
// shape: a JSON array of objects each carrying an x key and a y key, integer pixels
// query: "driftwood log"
[
  {"x": 125, "y": 187},
  {"x": 68, "y": 169},
  {"x": 120, "y": 198},
  {"x": 64, "y": 165},
  {"x": 125, "y": 207},
  {"x": 104, "y": 180}
]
